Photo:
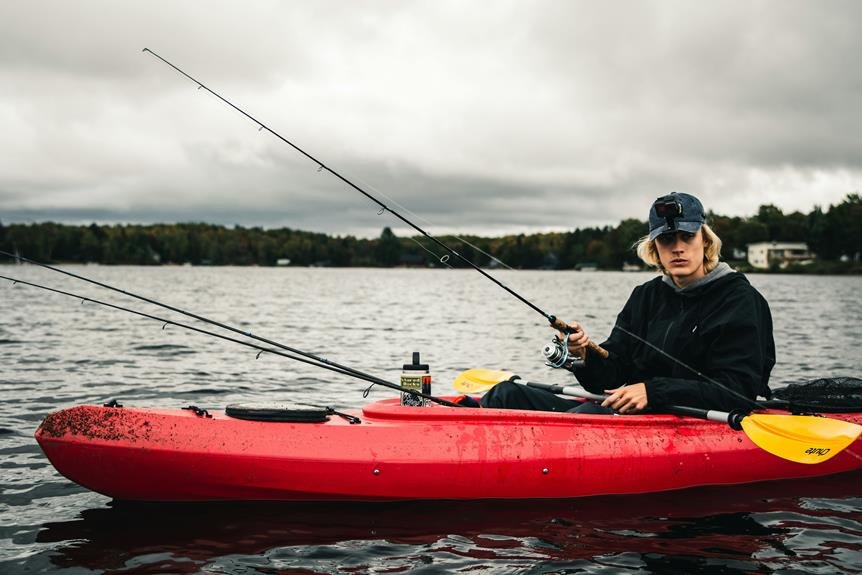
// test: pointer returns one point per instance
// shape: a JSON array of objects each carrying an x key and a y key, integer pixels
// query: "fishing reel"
[{"x": 557, "y": 354}]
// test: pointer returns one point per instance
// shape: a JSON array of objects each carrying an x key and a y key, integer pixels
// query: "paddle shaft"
[
  {"x": 732, "y": 419},
  {"x": 799, "y": 438}
]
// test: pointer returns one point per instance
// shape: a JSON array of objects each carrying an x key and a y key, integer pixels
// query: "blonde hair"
[{"x": 647, "y": 251}]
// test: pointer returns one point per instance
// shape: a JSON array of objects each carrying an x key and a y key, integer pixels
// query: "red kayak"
[{"x": 404, "y": 453}]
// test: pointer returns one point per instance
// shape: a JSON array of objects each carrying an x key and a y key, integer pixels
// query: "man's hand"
[
  {"x": 578, "y": 340},
  {"x": 627, "y": 399}
]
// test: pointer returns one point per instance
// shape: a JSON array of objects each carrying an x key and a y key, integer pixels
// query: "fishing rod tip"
[{"x": 145, "y": 50}]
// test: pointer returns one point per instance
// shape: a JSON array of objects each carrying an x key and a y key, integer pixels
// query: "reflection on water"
[
  {"x": 57, "y": 352},
  {"x": 742, "y": 529}
]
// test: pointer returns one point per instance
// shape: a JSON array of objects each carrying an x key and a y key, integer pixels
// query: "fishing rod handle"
[{"x": 562, "y": 326}]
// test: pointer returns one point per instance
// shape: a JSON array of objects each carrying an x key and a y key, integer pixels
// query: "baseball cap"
[{"x": 675, "y": 212}]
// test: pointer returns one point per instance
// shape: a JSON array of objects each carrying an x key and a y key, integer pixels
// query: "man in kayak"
[{"x": 699, "y": 335}]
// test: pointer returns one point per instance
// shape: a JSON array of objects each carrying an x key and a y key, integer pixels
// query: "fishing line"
[
  {"x": 688, "y": 367},
  {"x": 308, "y": 358},
  {"x": 416, "y": 216},
  {"x": 183, "y": 312},
  {"x": 553, "y": 320},
  {"x": 322, "y": 166},
  {"x": 442, "y": 259}
]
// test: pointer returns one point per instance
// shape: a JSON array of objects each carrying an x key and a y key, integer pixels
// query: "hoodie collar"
[{"x": 721, "y": 270}]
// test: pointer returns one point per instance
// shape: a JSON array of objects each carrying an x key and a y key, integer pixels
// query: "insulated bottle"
[{"x": 415, "y": 376}]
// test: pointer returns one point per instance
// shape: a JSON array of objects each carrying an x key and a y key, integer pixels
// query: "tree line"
[{"x": 834, "y": 234}]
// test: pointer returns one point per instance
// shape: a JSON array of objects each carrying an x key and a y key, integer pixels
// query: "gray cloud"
[{"x": 523, "y": 116}]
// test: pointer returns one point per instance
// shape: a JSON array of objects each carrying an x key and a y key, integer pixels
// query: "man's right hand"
[{"x": 578, "y": 340}]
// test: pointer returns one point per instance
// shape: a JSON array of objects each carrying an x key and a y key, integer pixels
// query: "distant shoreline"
[
  {"x": 834, "y": 235},
  {"x": 846, "y": 269}
]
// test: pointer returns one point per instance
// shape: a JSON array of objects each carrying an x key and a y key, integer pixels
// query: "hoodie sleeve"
[
  {"x": 739, "y": 353},
  {"x": 598, "y": 374}
]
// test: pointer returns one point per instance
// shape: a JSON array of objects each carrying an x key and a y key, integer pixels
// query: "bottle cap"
[{"x": 415, "y": 366}]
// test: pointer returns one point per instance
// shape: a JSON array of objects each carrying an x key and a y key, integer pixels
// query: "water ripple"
[{"x": 56, "y": 355}]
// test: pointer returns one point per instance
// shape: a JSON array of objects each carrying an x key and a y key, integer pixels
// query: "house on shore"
[{"x": 764, "y": 255}]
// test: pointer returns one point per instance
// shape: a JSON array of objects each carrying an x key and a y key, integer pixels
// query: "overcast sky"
[{"x": 479, "y": 117}]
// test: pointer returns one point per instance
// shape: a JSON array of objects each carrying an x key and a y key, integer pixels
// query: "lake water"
[{"x": 57, "y": 352}]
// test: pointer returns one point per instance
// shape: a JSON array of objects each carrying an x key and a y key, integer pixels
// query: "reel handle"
[{"x": 560, "y": 325}]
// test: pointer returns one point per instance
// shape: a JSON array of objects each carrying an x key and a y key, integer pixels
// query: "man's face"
[{"x": 681, "y": 254}]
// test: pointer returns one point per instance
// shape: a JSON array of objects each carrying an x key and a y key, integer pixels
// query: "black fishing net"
[{"x": 829, "y": 394}]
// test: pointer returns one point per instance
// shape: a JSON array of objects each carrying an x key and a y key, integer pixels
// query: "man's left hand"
[{"x": 627, "y": 399}]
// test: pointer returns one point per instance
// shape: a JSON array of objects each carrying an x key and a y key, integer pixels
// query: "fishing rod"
[
  {"x": 556, "y": 353},
  {"x": 308, "y": 358},
  {"x": 183, "y": 312},
  {"x": 553, "y": 320}
]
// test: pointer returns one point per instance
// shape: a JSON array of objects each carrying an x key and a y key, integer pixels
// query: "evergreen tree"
[
  {"x": 832, "y": 234},
  {"x": 388, "y": 250}
]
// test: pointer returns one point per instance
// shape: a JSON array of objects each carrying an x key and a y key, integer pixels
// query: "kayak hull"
[{"x": 405, "y": 453}]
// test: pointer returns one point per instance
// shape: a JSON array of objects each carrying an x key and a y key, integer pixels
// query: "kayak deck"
[{"x": 405, "y": 453}]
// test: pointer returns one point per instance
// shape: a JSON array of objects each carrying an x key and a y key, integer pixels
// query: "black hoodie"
[{"x": 721, "y": 328}]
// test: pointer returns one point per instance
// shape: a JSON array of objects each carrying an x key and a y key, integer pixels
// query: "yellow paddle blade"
[
  {"x": 479, "y": 380},
  {"x": 800, "y": 438}
]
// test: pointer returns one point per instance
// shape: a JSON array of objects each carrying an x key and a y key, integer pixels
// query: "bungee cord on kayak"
[{"x": 290, "y": 353}]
